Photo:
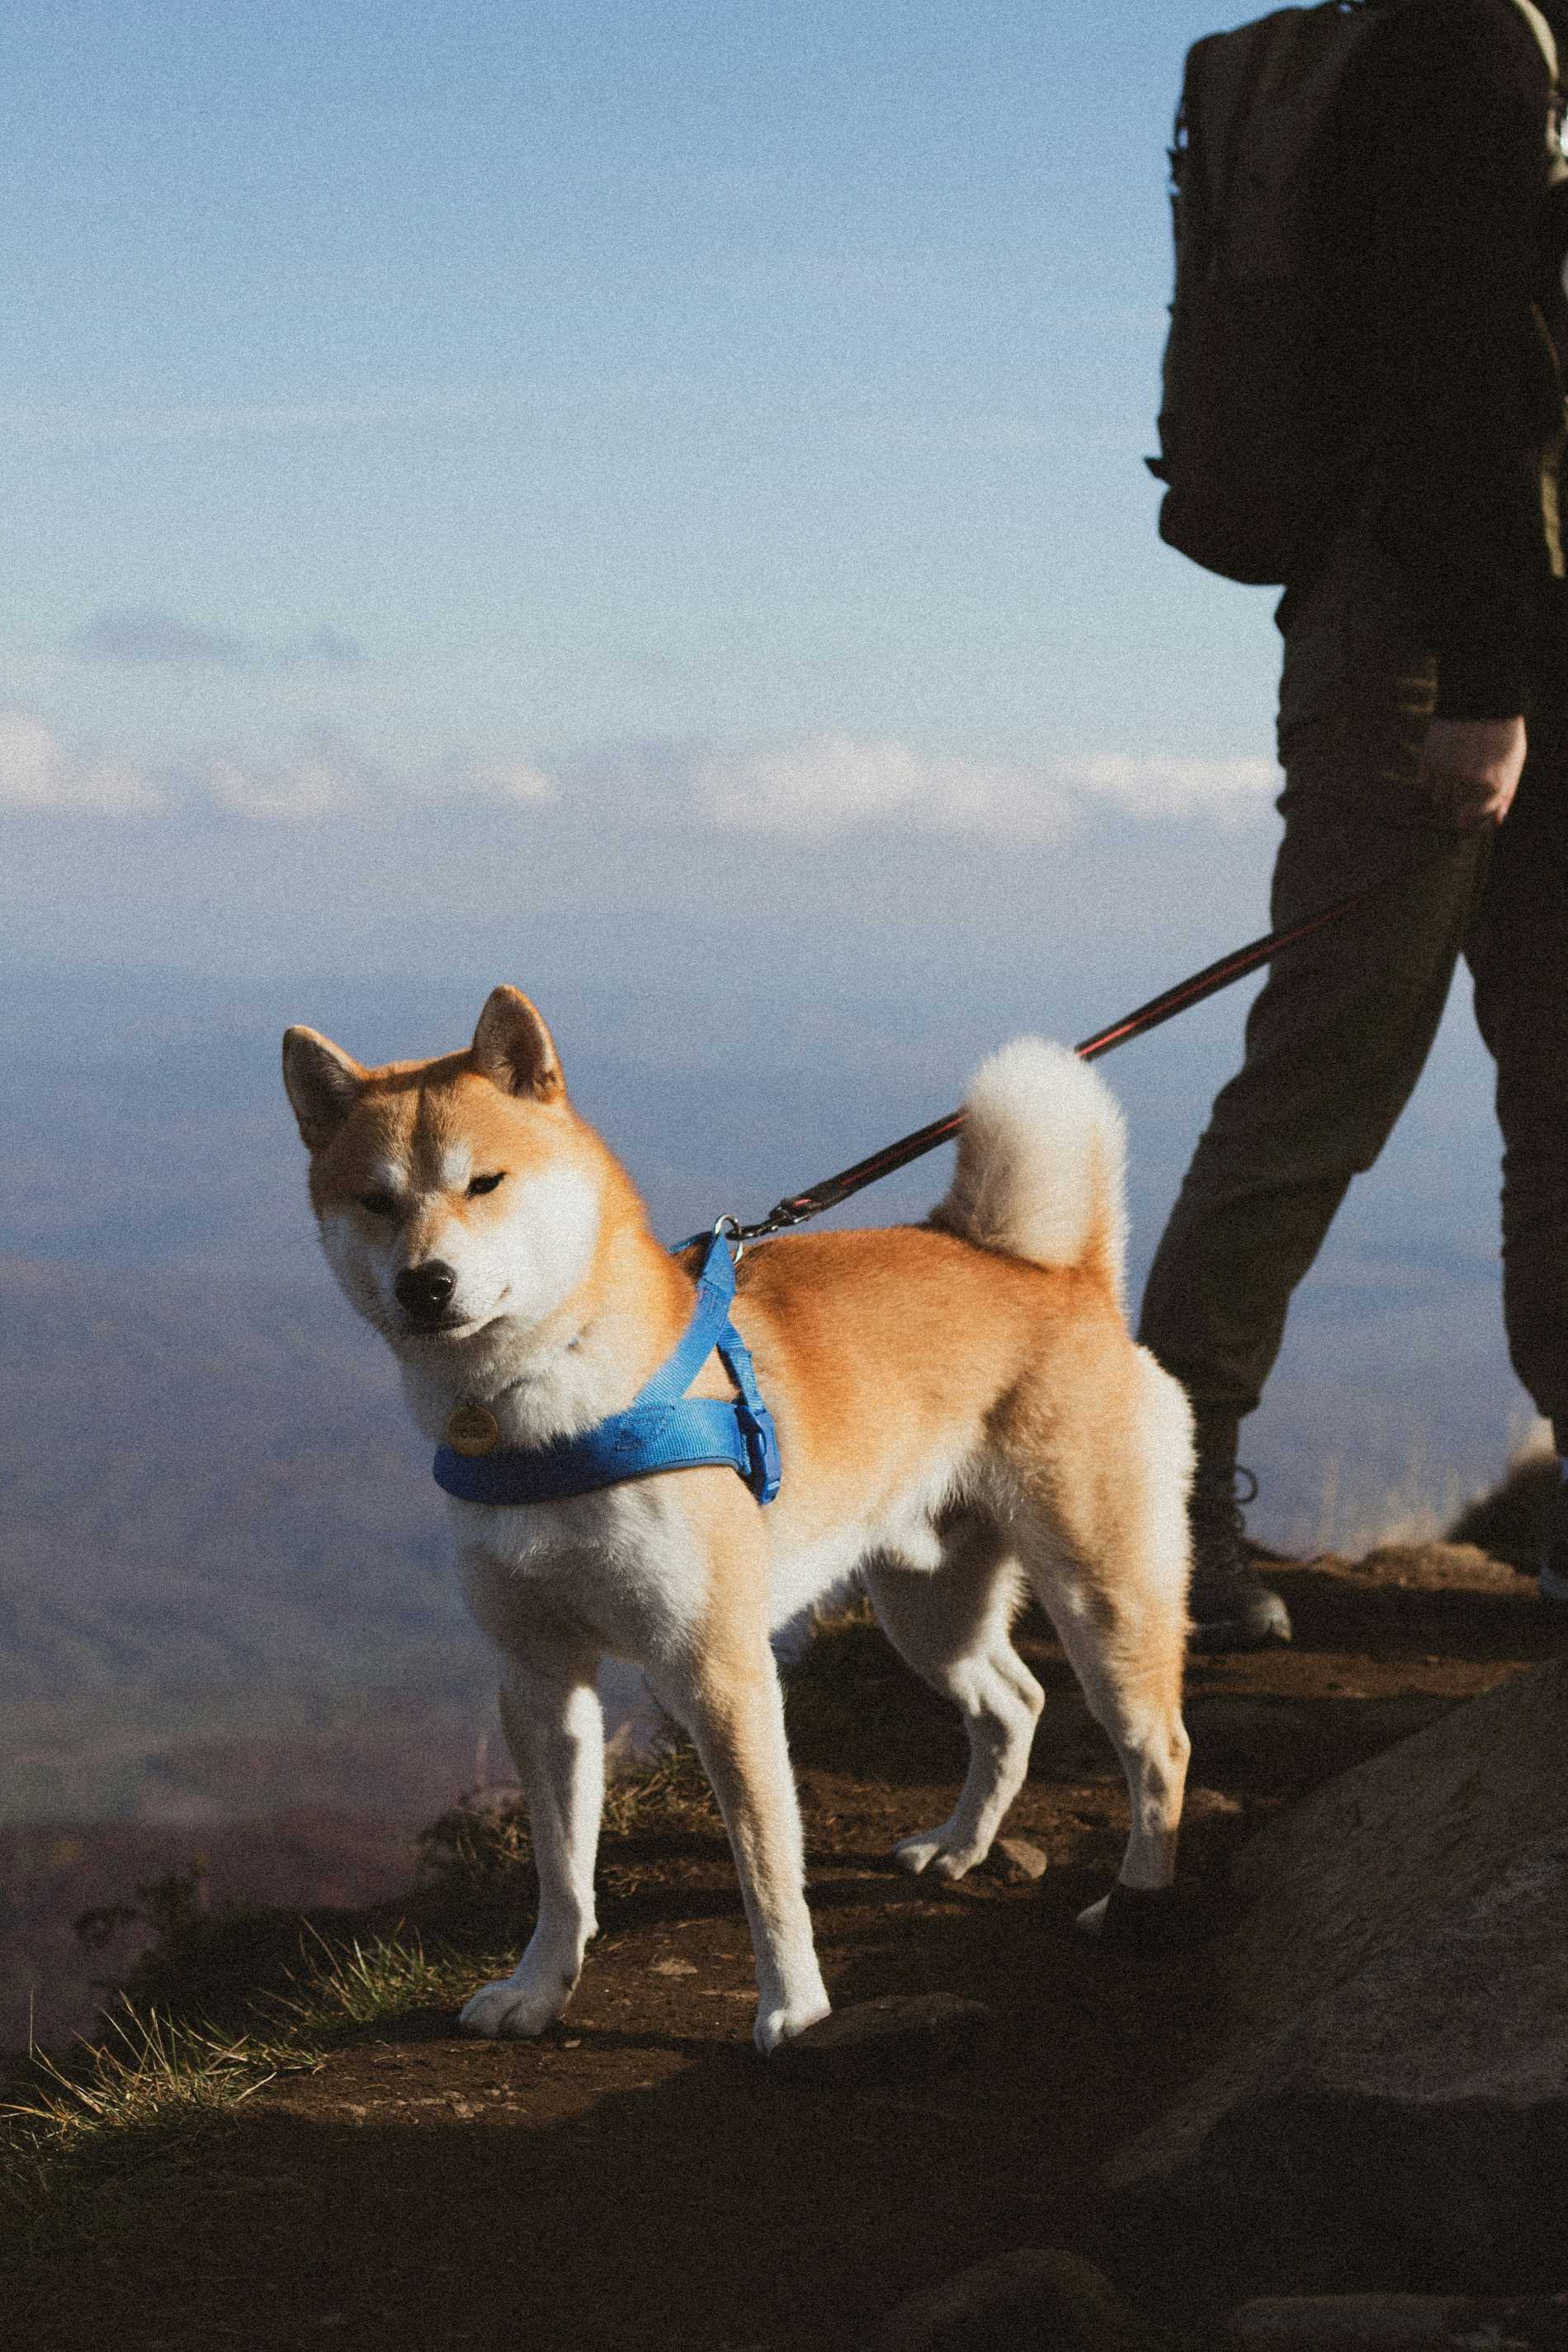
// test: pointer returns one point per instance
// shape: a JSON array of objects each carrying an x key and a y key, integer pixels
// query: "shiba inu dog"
[{"x": 962, "y": 1417}]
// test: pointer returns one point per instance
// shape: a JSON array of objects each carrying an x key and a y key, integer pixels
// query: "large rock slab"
[{"x": 1392, "y": 2108}]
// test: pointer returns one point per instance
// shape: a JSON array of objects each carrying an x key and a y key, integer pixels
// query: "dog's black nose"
[{"x": 423, "y": 1290}]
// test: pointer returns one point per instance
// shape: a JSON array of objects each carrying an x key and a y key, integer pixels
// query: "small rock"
[
  {"x": 1016, "y": 1862},
  {"x": 1210, "y": 1804},
  {"x": 1038, "y": 2299},
  {"x": 900, "y": 2034},
  {"x": 673, "y": 1969}
]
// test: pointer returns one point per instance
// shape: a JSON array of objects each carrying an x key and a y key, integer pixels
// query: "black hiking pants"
[{"x": 1336, "y": 1040}]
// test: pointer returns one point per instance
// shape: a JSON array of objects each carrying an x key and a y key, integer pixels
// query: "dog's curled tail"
[{"x": 1040, "y": 1163}]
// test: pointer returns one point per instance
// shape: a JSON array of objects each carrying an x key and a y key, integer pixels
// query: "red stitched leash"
[{"x": 797, "y": 1207}]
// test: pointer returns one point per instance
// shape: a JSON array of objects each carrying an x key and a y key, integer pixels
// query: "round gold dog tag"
[{"x": 472, "y": 1430}]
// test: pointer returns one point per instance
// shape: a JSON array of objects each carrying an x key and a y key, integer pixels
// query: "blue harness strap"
[{"x": 661, "y": 1429}]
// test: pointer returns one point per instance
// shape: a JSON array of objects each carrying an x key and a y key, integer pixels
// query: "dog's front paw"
[
  {"x": 938, "y": 1851},
  {"x": 779, "y": 2022},
  {"x": 513, "y": 2011}
]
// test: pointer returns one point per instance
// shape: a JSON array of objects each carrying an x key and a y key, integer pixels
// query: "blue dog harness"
[{"x": 661, "y": 1429}]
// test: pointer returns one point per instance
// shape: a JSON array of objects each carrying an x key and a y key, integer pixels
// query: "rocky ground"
[{"x": 640, "y": 2179}]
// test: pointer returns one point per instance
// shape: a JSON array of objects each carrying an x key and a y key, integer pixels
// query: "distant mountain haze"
[{"x": 214, "y": 1500}]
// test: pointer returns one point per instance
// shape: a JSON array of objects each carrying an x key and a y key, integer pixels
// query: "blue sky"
[
  {"x": 645, "y": 501},
  {"x": 466, "y": 385}
]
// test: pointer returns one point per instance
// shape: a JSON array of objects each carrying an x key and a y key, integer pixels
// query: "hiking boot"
[
  {"x": 1231, "y": 1607},
  {"x": 1554, "y": 1560}
]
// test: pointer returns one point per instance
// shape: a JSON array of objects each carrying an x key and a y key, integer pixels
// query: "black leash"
[{"x": 797, "y": 1207}]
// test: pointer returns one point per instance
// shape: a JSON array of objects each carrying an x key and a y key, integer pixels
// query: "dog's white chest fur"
[{"x": 618, "y": 1563}]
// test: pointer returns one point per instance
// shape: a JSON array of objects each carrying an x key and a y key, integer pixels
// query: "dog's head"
[{"x": 452, "y": 1194}]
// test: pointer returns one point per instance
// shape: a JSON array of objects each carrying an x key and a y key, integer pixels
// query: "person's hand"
[{"x": 1471, "y": 770}]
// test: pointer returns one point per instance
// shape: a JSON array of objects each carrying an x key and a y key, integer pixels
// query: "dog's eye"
[
  {"x": 484, "y": 1184},
  {"x": 378, "y": 1205}
]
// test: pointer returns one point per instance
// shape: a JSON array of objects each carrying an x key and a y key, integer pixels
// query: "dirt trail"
[{"x": 639, "y": 2180}]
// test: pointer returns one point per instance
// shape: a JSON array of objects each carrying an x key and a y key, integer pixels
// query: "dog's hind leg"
[
  {"x": 950, "y": 1624},
  {"x": 1109, "y": 1563},
  {"x": 555, "y": 1729},
  {"x": 1128, "y": 1657}
]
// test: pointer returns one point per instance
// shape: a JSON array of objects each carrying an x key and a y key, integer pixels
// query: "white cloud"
[
  {"x": 328, "y": 779},
  {"x": 515, "y": 783},
  {"x": 819, "y": 787},
  {"x": 813, "y": 789},
  {"x": 832, "y": 782},
  {"x": 292, "y": 792},
  {"x": 37, "y": 771},
  {"x": 1161, "y": 787}
]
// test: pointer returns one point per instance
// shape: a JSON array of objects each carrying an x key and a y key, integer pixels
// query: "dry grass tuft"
[
  {"x": 1512, "y": 1521},
  {"x": 368, "y": 1982},
  {"x": 149, "y": 2086},
  {"x": 671, "y": 1793},
  {"x": 477, "y": 1861},
  {"x": 110, "y": 2109}
]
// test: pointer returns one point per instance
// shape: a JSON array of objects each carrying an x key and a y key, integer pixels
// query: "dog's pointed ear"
[
  {"x": 514, "y": 1050},
  {"x": 323, "y": 1082}
]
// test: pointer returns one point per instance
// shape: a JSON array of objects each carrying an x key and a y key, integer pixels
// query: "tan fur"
[{"x": 959, "y": 1406}]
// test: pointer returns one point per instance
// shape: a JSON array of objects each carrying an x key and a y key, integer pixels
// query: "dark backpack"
[{"x": 1255, "y": 444}]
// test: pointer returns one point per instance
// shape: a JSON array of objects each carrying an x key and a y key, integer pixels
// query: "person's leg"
[
  {"x": 1335, "y": 1040},
  {"x": 1518, "y": 950}
]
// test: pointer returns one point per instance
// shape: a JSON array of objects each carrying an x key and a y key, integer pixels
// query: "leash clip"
[{"x": 729, "y": 1230}]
